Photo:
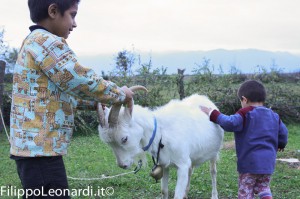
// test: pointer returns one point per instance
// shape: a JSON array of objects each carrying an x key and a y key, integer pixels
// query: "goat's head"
[{"x": 120, "y": 132}]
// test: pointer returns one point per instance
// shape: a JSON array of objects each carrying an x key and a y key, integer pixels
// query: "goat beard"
[{"x": 143, "y": 157}]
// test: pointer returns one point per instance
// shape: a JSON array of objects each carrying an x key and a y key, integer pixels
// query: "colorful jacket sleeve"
[
  {"x": 86, "y": 105},
  {"x": 61, "y": 66},
  {"x": 231, "y": 123}
]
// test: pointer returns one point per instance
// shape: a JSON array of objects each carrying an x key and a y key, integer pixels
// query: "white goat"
[{"x": 189, "y": 138}]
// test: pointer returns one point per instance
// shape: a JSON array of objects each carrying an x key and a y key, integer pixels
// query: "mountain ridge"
[{"x": 242, "y": 60}]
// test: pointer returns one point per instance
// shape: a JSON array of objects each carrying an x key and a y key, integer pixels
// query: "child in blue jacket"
[{"x": 259, "y": 134}]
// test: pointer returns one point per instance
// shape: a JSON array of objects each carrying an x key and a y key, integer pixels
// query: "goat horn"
[
  {"x": 138, "y": 87},
  {"x": 115, "y": 109},
  {"x": 113, "y": 115},
  {"x": 101, "y": 114}
]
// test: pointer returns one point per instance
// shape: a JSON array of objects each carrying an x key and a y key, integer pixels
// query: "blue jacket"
[{"x": 258, "y": 133}]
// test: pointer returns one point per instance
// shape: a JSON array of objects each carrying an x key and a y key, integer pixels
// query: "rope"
[
  {"x": 4, "y": 124},
  {"x": 137, "y": 168},
  {"x": 103, "y": 177}
]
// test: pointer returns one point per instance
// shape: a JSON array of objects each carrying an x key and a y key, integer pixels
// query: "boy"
[
  {"x": 259, "y": 133},
  {"x": 47, "y": 79}
]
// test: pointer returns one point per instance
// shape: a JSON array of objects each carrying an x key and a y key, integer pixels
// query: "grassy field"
[{"x": 89, "y": 158}]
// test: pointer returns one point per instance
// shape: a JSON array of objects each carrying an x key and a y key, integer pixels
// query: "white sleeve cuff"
[{"x": 210, "y": 112}]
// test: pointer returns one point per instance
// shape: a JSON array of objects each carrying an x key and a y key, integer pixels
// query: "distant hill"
[{"x": 246, "y": 61}]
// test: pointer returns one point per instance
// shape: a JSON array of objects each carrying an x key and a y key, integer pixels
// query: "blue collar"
[{"x": 153, "y": 136}]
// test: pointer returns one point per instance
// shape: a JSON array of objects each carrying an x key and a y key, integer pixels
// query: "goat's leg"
[
  {"x": 164, "y": 183},
  {"x": 213, "y": 173},
  {"x": 182, "y": 180},
  {"x": 189, "y": 182}
]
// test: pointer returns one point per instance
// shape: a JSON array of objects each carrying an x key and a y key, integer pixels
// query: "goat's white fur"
[{"x": 188, "y": 136}]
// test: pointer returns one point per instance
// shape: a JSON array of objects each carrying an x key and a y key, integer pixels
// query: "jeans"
[{"x": 43, "y": 177}]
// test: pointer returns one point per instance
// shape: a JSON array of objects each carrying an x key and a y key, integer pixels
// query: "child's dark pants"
[{"x": 43, "y": 177}]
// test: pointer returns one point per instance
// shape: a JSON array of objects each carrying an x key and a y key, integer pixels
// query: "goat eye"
[{"x": 124, "y": 140}]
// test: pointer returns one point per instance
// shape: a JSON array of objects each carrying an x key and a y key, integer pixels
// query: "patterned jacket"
[{"x": 47, "y": 80}]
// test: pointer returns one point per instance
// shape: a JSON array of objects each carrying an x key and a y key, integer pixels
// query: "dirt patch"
[{"x": 292, "y": 163}]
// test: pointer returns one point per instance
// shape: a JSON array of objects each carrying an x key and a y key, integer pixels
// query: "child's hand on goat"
[
  {"x": 205, "y": 109},
  {"x": 129, "y": 94}
]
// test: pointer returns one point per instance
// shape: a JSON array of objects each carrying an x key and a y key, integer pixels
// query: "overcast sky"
[{"x": 109, "y": 26}]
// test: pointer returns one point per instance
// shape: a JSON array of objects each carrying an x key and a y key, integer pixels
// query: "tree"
[
  {"x": 2, "y": 69},
  {"x": 124, "y": 62},
  {"x": 7, "y": 54},
  {"x": 11, "y": 59},
  {"x": 3, "y": 51},
  {"x": 3, "y": 46}
]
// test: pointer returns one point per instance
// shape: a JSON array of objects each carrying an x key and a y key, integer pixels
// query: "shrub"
[
  {"x": 6, "y": 109},
  {"x": 283, "y": 93}
]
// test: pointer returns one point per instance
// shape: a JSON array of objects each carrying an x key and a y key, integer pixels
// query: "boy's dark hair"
[
  {"x": 39, "y": 8},
  {"x": 253, "y": 91}
]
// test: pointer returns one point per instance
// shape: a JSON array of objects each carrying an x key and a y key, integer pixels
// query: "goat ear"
[
  {"x": 106, "y": 113},
  {"x": 101, "y": 114}
]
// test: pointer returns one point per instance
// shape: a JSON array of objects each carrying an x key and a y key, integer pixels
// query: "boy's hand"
[
  {"x": 129, "y": 98},
  {"x": 205, "y": 109},
  {"x": 129, "y": 94}
]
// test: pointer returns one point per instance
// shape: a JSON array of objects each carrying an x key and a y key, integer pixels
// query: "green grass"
[{"x": 89, "y": 158}]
